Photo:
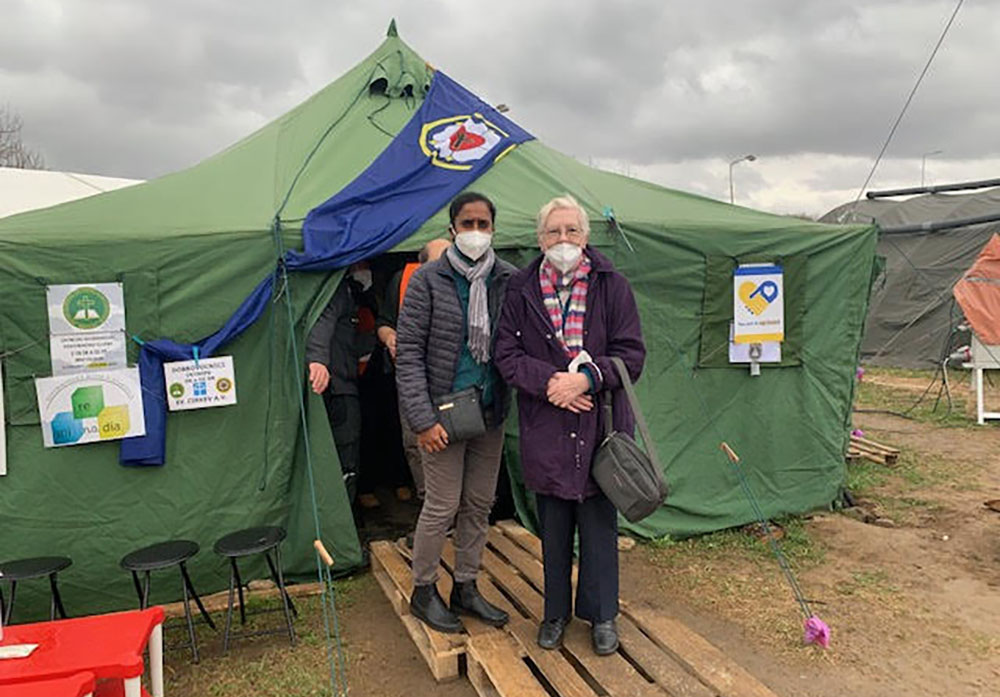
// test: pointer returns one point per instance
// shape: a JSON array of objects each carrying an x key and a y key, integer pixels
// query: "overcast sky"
[{"x": 663, "y": 90}]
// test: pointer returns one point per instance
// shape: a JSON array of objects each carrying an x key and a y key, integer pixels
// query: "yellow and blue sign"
[{"x": 758, "y": 303}]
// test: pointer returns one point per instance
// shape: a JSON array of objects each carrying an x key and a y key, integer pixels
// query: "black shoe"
[
  {"x": 550, "y": 633},
  {"x": 466, "y": 600},
  {"x": 428, "y": 607},
  {"x": 605, "y": 637}
]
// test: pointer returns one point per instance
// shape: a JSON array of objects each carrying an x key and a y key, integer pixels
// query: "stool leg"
[
  {"x": 229, "y": 609},
  {"x": 239, "y": 589},
  {"x": 10, "y": 605},
  {"x": 57, "y": 603},
  {"x": 138, "y": 588},
  {"x": 285, "y": 600},
  {"x": 3, "y": 612},
  {"x": 279, "y": 579},
  {"x": 144, "y": 603},
  {"x": 187, "y": 617},
  {"x": 197, "y": 600}
]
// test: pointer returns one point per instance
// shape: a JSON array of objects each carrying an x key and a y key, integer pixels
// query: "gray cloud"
[{"x": 133, "y": 88}]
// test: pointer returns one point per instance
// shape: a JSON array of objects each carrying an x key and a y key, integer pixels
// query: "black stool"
[
  {"x": 243, "y": 543},
  {"x": 26, "y": 569},
  {"x": 163, "y": 555}
]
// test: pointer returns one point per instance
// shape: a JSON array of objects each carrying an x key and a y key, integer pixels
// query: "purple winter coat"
[{"x": 557, "y": 446}]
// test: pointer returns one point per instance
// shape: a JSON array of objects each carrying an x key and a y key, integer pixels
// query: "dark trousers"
[
  {"x": 597, "y": 586},
  {"x": 344, "y": 413}
]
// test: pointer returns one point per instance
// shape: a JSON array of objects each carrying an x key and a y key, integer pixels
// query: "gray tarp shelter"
[{"x": 912, "y": 313}]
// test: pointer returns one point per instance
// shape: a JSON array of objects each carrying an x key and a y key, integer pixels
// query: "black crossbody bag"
[
  {"x": 461, "y": 414},
  {"x": 630, "y": 477}
]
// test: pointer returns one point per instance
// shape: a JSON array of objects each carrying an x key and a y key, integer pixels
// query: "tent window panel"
[
  {"x": 25, "y": 328},
  {"x": 717, "y": 308}
]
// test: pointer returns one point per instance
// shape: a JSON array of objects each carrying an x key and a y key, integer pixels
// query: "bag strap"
[{"x": 633, "y": 401}]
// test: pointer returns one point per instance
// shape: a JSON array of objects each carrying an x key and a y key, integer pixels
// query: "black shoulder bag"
[{"x": 630, "y": 477}]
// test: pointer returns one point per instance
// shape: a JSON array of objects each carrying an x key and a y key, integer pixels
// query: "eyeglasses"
[{"x": 572, "y": 233}]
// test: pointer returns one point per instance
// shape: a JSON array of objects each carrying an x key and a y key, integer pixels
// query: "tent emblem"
[
  {"x": 456, "y": 142},
  {"x": 86, "y": 308}
]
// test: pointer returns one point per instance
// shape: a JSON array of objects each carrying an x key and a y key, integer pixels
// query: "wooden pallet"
[
  {"x": 659, "y": 656},
  {"x": 442, "y": 652},
  {"x": 862, "y": 448}
]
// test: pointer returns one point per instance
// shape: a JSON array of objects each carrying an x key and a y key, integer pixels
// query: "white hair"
[{"x": 565, "y": 202}]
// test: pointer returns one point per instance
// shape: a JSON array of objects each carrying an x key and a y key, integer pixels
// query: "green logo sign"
[
  {"x": 176, "y": 390},
  {"x": 86, "y": 308}
]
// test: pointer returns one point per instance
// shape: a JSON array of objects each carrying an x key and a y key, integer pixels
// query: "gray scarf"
[{"x": 479, "y": 310}]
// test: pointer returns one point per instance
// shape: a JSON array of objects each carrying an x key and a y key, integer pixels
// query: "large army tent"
[
  {"x": 190, "y": 246},
  {"x": 912, "y": 315}
]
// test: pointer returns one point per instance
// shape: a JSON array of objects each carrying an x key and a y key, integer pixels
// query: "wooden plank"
[
  {"x": 697, "y": 655},
  {"x": 522, "y": 536},
  {"x": 442, "y": 661},
  {"x": 218, "y": 602},
  {"x": 667, "y": 673},
  {"x": 531, "y": 544},
  {"x": 495, "y": 670},
  {"x": 876, "y": 445},
  {"x": 513, "y": 584},
  {"x": 557, "y": 670},
  {"x": 616, "y": 675},
  {"x": 399, "y": 604},
  {"x": 529, "y": 567},
  {"x": 440, "y": 651}
]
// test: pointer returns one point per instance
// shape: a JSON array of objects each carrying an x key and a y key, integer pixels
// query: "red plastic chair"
[{"x": 76, "y": 685}]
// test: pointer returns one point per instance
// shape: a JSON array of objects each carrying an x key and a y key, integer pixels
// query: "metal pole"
[{"x": 731, "y": 197}]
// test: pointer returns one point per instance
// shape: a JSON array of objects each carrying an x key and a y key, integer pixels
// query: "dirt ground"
[{"x": 914, "y": 608}]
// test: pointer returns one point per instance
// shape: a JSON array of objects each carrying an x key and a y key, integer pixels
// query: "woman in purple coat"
[{"x": 564, "y": 317}]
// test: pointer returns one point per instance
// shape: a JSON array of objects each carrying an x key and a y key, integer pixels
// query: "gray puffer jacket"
[{"x": 429, "y": 339}]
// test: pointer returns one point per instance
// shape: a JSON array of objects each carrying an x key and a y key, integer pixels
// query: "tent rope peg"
[
  {"x": 323, "y": 554},
  {"x": 730, "y": 453}
]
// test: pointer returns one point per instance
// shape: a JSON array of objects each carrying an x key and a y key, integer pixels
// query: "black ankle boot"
[
  {"x": 427, "y": 606},
  {"x": 466, "y": 599}
]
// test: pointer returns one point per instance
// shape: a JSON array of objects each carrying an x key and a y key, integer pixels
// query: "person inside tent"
[
  {"x": 386, "y": 330},
  {"x": 454, "y": 400},
  {"x": 336, "y": 353}
]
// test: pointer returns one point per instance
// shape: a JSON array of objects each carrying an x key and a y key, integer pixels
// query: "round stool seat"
[
  {"x": 36, "y": 567},
  {"x": 249, "y": 541},
  {"x": 160, "y": 555}
]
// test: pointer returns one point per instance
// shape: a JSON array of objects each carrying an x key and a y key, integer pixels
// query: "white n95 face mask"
[
  {"x": 364, "y": 277},
  {"x": 473, "y": 243},
  {"x": 564, "y": 256}
]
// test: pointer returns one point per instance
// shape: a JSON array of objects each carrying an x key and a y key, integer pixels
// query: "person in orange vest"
[{"x": 386, "y": 331}]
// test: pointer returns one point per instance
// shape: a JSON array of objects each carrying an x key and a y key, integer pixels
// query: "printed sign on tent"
[
  {"x": 86, "y": 308},
  {"x": 758, "y": 304},
  {"x": 90, "y": 407},
  {"x": 209, "y": 382},
  {"x": 80, "y": 353}
]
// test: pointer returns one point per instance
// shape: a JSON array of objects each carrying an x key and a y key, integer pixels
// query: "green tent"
[{"x": 190, "y": 246}]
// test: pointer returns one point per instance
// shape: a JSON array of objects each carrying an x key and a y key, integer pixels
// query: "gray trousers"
[{"x": 460, "y": 480}]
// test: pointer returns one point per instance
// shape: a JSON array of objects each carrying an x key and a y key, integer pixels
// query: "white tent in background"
[{"x": 26, "y": 189}]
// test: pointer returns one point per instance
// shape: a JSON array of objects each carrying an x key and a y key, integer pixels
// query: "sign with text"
[
  {"x": 86, "y": 307},
  {"x": 758, "y": 304},
  {"x": 209, "y": 382},
  {"x": 80, "y": 353},
  {"x": 90, "y": 407}
]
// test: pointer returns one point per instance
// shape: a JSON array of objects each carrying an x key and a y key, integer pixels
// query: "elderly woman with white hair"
[{"x": 565, "y": 316}]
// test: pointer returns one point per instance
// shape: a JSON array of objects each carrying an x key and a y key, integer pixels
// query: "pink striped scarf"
[{"x": 570, "y": 332}]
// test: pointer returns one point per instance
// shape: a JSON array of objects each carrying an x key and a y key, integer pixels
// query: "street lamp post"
[
  {"x": 745, "y": 158},
  {"x": 923, "y": 163}
]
